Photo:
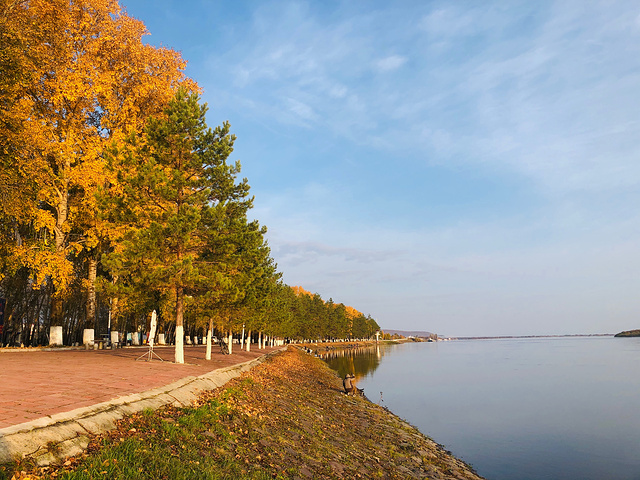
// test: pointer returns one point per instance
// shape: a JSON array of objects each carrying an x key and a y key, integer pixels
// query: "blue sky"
[{"x": 466, "y": 168}]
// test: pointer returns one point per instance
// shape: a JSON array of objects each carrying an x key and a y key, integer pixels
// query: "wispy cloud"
[
  {"x": 450, "y": 21},
  {"x": 390, "y": 63},
  {"x": 370, "y": 101},
  {"x": 551, "y": 102}
]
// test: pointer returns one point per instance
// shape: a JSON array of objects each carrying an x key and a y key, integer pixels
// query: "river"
[{"x": 526, "y": 409}]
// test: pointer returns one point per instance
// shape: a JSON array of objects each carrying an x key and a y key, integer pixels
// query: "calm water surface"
[{"x": 553, "y": 408}]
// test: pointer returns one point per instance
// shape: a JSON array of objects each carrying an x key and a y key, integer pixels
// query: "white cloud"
[
  {"x": 449, "y": 21},
  {"x": 541, "y": 92},
  {"x": 546, "y": 91},
  {"x": 338, "y": 91},
  {"x": 392, "y": 62},
  {"x": 302, "y": 110},
  {"x": 445, "y": 280}
]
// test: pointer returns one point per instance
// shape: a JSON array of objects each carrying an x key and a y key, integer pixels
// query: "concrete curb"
[{"x": 53, "y": 438}]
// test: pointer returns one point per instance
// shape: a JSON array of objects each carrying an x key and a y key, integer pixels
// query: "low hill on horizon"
[
  {"x": 410, "y": 333},
  {"x": 628, "y": 333}
]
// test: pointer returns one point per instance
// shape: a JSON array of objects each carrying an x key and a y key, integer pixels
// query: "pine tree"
[{"x": 173, "y": 189}]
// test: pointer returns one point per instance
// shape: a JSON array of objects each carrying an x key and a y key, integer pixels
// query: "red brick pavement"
[{"x": 35, "y": 384}]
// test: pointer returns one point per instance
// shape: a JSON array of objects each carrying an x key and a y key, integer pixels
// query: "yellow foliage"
[
  {"x": 301, "y": 291},
  {"x": 351, "y": 312},
  {"x": 76, "y": 77}
]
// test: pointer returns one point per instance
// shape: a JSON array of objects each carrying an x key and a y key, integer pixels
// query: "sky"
[{"x": 464, "y": 168}]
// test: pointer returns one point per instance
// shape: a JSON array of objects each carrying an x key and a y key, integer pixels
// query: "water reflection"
[{"x": 357, "y": 359}]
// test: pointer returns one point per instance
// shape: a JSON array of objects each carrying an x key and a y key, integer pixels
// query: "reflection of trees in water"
[{"x": 357, "y": 360}]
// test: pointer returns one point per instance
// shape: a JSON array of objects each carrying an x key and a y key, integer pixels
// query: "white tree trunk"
[
  {"x": 179, "y": 350},
  {"x": 249, "y": 341},
  {"x": 230, "y": 342},
  {"x": 179, "y": 344},
  {"x": 207, "y": 355}
]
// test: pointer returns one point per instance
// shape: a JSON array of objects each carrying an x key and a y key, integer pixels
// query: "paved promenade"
[{"x": 36, "y": 383}]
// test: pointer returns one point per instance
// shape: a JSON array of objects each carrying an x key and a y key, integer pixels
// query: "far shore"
[{"x": 354, "y": 343}]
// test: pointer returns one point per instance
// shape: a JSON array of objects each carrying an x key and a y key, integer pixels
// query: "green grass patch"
[{"x": 200, "y": 442}]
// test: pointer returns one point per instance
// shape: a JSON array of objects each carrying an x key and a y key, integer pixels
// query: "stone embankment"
[{"x": 52, "y": 438}]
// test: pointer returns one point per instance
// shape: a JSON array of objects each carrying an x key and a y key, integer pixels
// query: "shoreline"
[{"x": 285, "y": 418}]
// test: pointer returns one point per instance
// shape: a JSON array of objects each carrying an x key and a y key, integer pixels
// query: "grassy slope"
[{"x": 286, "y": 418}]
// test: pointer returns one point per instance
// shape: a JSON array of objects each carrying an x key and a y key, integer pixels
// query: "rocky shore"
[{"x": 285, "y": 418}]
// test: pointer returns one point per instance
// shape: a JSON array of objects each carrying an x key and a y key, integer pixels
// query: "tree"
[
  {"x": 235, "y": 268},
  {"x": 78, "y": 77},
  {"x": 173, "y": 189},
  {"x": 309, "y": 317},
  {"x": 258, "y": 307}
]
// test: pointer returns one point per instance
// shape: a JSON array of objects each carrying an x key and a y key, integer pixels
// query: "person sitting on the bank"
[{"x": 349, "y": 384}]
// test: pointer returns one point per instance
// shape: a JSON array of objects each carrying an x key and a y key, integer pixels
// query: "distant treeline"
[{"x": 117, "y": 199}]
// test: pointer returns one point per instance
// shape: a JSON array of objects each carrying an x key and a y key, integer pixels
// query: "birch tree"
[{"x": 75, "y": 77}]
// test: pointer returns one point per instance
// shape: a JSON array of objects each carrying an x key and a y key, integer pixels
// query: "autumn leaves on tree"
[{"x": 111, "y": 184}]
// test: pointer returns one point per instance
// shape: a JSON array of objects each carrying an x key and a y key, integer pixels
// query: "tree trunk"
[
  {"x": 179, "y": 350},
  {"x": 207, "y": 355},
  {"x": 56, "y": 311},
  {"x": 260, "y": 340},
  {"x": 230, "y": 341},
  {"x": 62, "y": 214},
  {"x": 91, "y": 293},
  {"x": 249, "y": 341},
  {"x": 113, "y": 308},
  {"x": 62, "y": 211}
]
